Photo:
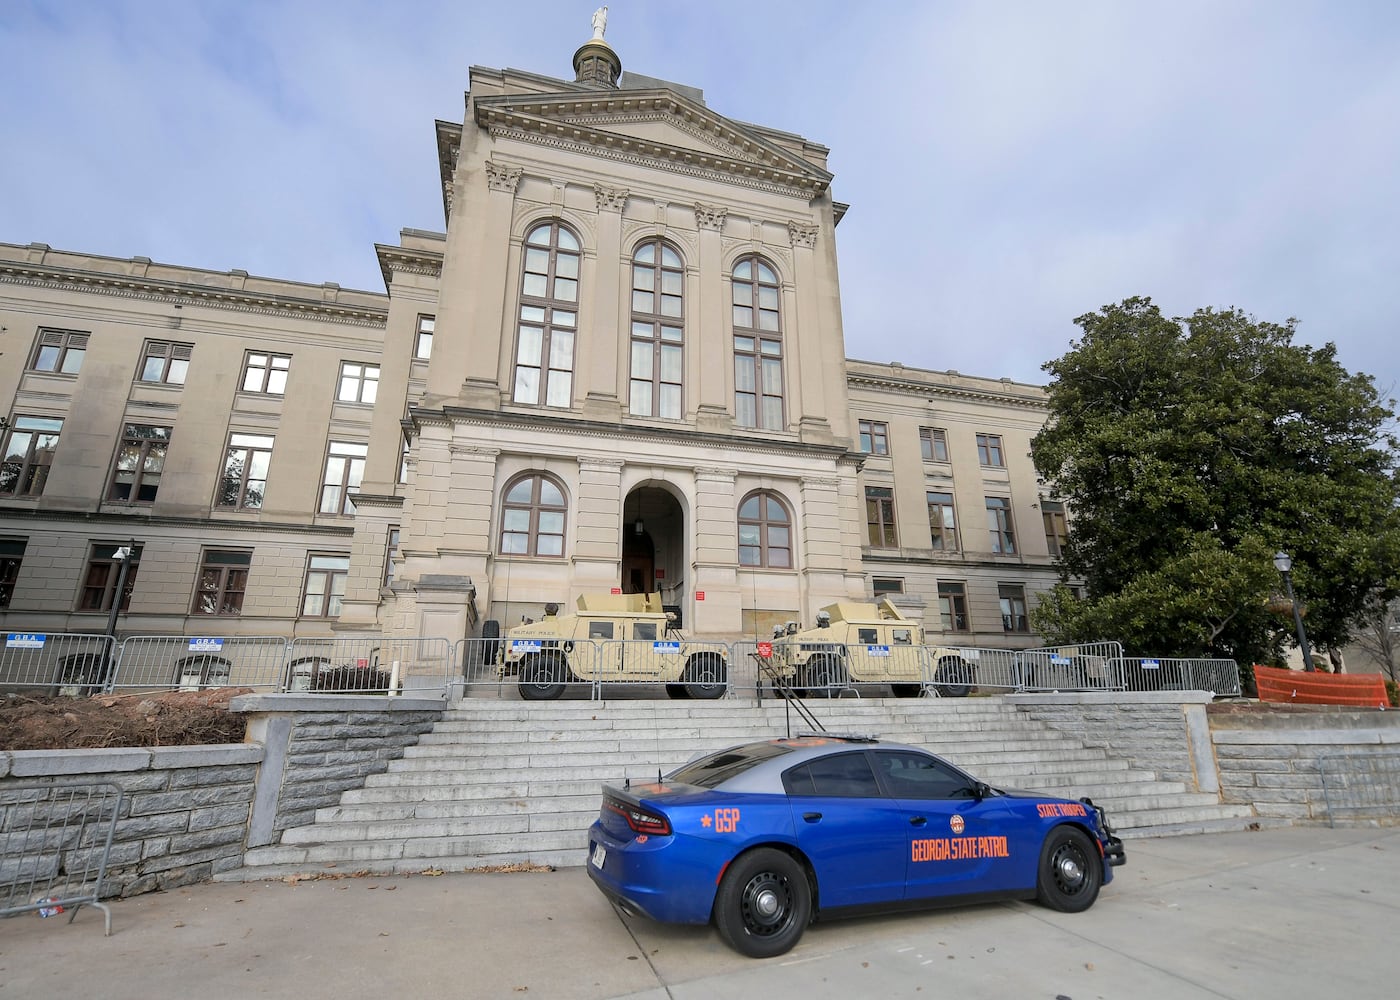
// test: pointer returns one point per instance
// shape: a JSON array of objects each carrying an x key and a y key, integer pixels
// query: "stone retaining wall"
[
  {"x": 318, "y": 746},
  {"x": 1161, "y": 731},
  {"x": 1268, "y": 755},
  {"x": 184, "y": 810}
]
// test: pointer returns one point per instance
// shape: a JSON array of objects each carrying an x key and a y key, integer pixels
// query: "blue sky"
[{"x": 1009, "y": 165}]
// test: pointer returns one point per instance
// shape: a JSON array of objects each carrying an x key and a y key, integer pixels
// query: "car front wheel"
[
  {"x": 1070, "y": 873},
  {"x": 764, "y": 903}
]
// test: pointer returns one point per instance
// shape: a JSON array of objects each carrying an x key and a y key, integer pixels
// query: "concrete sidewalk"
[{"x": 1283, "y": 913}]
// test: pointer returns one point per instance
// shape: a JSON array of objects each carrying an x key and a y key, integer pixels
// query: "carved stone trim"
[
  {"x": 610, "y": 199},
  {"x": 500, "y": 177},
  {"x": 710, "y": 216},
  {"x": 802, "y": 236}
]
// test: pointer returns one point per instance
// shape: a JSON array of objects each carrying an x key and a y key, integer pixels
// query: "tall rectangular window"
[
  {"x": 1003, "y": 535},
  {"x": 1052, "y": 513},
  {"x": 423, "y": 338},
  {"x": 933, "y": 444},
  {"x": 223, "y": 580},
  {"x": 879, "y": 517},
  {"x": 658, "y": 331},
  {"x": 165, "y": 362},
  {"x": 989, "y": 451},
  {"x": 266, "y": 373},
  {"x": 358, "y": 383},
  {"x": 391, "y": 555},
  {"x": 874, "y": 437},
  {"x": 324, "y": 591},
  {"x": 952, "y": 607},
  {"x": 345, "y": 468},
  {"x": 758, "y": 345},
  {"x": 943, "y": 526},
  {"x": 548, "y": 318},
  {"x": 11, "y": 556},
  {"x": 245, "y": 471},
  {"x": 1013, "y": 607},
  {"x": 28, "y": 455},
  {"x": 59, "y": 351},
  {"x": 140, "y": 461},
  {"x": 104, "y": 570}
]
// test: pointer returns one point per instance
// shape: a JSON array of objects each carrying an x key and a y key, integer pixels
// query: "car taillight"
[{"x": 638, "y": 819}]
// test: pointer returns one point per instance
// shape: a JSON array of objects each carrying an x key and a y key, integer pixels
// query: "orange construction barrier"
[{"x": 1300, "y": 688}]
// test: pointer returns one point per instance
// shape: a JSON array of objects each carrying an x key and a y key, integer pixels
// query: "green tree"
[{"x": 1191, "y": 449}]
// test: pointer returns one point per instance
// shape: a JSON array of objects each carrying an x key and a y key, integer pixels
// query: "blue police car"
[{"x": 765, "y": 837}]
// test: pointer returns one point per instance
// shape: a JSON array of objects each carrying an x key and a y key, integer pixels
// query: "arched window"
[
  {"x": 544, "y": 352},
  {"x": 658, "y": 330},
  {"x": 758, "y": 346},
  {"x": 765, "y": 531},
  {"x": 532, "y": 517}
]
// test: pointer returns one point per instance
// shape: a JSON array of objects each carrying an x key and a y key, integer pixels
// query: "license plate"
[{"x": 599, "y": 853}]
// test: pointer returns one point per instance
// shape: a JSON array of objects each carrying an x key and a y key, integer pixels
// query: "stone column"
[
  {"x": 604, "y": 340},
  {"x": 710, "y": 353},
  {"x": 715, "y": 567},
  {"x": 597, "y": 543},
  {"x": 805, "y": 333}
]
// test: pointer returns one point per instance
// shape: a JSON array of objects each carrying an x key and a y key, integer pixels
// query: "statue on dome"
[{"x": 600, "y": 22}]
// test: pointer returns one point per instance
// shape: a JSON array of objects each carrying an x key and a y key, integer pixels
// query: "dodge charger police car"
[{"x": 762, "y": 839}]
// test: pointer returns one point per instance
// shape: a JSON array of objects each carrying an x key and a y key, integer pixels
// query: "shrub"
[
  {"x": 1393, "y": 690},
  {"x": 354, "y": 680}
]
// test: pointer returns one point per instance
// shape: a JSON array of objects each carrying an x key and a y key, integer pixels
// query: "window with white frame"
[
  {"x": 266, "y": 373},
  {"x": 345, "y": 470},
  {"x": 548, "y": 319},
  {"x": 423, "y": 338},
  {"x": 658, "y": 331},
  {"x": 359, "y": 383}
]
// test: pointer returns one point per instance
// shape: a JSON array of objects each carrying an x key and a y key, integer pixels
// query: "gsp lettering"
[
  {"x": 726, "y": 820},
  {"x": 960, "y": 848}
]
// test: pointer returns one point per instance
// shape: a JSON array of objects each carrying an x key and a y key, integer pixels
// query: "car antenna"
[{"x": 658, "y": 774}]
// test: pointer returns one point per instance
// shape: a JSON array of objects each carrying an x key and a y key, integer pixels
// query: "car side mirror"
[{"x": 981, "y": 790}]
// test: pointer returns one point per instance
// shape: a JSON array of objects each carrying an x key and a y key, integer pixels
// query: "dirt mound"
[{"x": 164, "y": 719}]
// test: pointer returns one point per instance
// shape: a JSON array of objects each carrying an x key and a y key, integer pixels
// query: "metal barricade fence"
[
  {"x": 955, "y": 671},
  {"x": 547, "y": 668},
  {"x": 56, "y": 663},
  {"x": 1155, "y": 673},
  {"x": 196, "y": 663},
  {"x": 479, "y": 660},
  {"x": 55, "y": 841},
  {"x": 367, "y": 664},
  {"x": 687, "y": 668},
  {"x": 1361, "y": 787}
]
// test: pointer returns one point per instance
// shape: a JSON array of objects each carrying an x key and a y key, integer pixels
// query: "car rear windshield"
[{"x": 717, "y": 768}]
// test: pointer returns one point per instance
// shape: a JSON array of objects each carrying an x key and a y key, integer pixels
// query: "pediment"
[{"x": 651, "y": 125}]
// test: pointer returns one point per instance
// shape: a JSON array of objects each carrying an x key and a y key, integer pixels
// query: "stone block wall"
[
  {"x": 1155, "y": 731},
  {"x": 318, "y": 746},
  {"x": 1269, "y": 755},
  {"x": 184, "y": 810}
]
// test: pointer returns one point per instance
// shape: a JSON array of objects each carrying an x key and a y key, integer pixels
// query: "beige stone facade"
[{"x": 621, "y": 366}]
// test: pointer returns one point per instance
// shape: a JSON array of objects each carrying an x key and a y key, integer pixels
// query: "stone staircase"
[{"x": 499, "y": 782}]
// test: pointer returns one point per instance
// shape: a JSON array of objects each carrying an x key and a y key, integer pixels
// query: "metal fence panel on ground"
[
  {"x": 368, "y": 664},
  {"x": 195, "y": 663},
  {"x": 1361, "y": 786},
  {"x": 56, "y": 663},
  {"x": 55, "y": 841}
]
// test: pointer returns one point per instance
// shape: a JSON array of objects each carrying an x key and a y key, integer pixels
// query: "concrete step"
[
  {"x": 1229, "y": 824},
  {"x": 451, "y": 809},
  {"x": 1137, "y": 819}
]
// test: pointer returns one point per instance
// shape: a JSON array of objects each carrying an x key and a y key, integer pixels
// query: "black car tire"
[
  {"x": 490, "y": 640},
  {"x": 705, "y": 676},
  {"x": 677, "y": 691},
  {"x": 542, "y": 679},
  {"x": 955, "y": 675},
  {"x": 1070, "y": 873},
  {"x": 764, "y": 903}
]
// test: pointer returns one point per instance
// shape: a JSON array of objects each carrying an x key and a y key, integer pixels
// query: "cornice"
[
  {"x": 127, "y": 523},
  {"x": 909, "y": 387},
  {"x": 665, "y": 438},
  {"x": 406, "y": 260},
  {"x": 449, "y": 144},
  {"x": 146, "y": 289}
]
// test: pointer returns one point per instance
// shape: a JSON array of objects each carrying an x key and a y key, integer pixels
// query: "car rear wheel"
[
  {"x": 705, "y": 677},
  {"x": 542, "y": 678},
  {"x": 954, "y": 678},
  {"x": 1070, "y": 873},
  {"x": 764, "y": 903}
]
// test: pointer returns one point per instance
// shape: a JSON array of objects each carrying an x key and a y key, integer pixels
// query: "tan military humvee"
[
  {"x": 857, "y": 643},
  {"x": 612, "y": 638}
]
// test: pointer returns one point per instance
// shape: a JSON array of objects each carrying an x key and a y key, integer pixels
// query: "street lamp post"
[
  {"x": 1283, "y": 562},
  {"x": 123, "y": 556}
]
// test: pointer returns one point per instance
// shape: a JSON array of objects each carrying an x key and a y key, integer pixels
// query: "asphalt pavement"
[{"x": 1283, "y": 913}]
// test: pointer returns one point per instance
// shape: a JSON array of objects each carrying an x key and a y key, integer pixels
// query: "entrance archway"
[{"x": 653, "y": 545}]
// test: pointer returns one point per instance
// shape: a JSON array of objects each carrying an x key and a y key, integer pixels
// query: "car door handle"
[
  {"x": 917, "y": 820},
  {"x": 812, "y": 817}
]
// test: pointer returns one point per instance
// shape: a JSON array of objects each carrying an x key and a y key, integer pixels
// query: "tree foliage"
[{"x": 1190, "y": 450}]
